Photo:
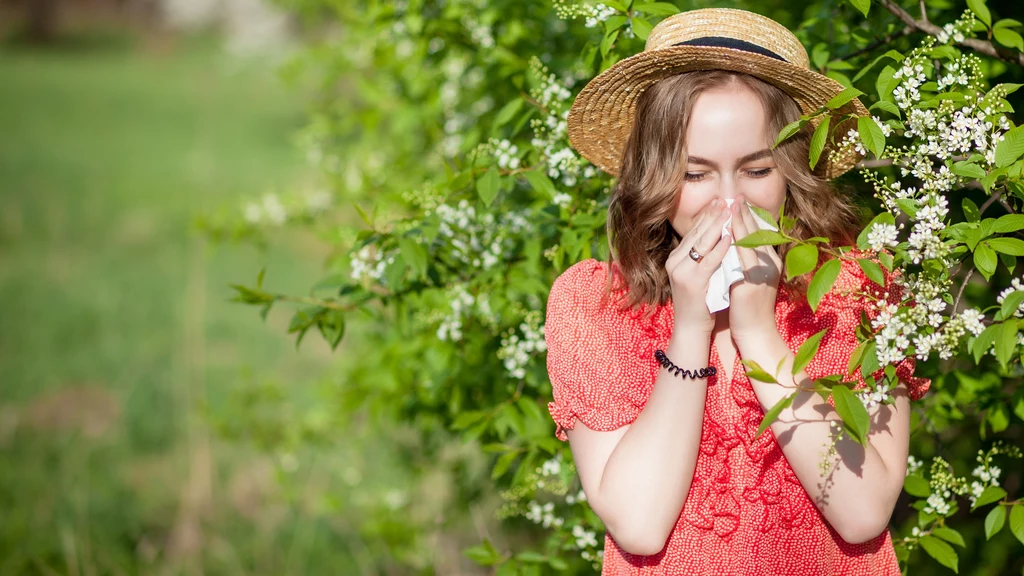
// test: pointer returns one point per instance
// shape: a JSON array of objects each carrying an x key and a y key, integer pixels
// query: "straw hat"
[{"x": 602, "y": 115}]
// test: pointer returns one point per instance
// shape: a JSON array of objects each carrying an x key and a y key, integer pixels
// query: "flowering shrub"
[{"x": 450, "y": 119}]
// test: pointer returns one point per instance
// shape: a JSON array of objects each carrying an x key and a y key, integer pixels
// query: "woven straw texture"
[{"x": 602, "y": 115}]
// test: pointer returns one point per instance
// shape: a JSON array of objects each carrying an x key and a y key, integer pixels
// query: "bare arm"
[
  {"x": 859, "y": 494},
  {"x": 637, "y": 477}
]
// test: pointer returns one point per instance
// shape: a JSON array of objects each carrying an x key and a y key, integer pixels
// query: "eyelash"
[{"x": 698, "y": 176}]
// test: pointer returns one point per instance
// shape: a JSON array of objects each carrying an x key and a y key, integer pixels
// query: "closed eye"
[
  {"x": 760, "y": 173},
  {"x": 695, "y": 176}
]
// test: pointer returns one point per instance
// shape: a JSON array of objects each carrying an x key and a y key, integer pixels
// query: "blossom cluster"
[
  {"x": 270, "y": 209},
  {"x": 593, "y": 13},
  {"x": 944, "y": 484},
  {"x": 462, "y": 304},
  {"x": 1015, "y": 286},
  {"x": 369, "y": 264},
  {"x": 986, "y": 473},
  {"x": 550, "y": 132},
  {"x": 478, "y": 240},
  {"x": 516, "y": 351}
]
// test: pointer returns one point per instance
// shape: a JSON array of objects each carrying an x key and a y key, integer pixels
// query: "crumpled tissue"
[{"x": 731, "y": 269}]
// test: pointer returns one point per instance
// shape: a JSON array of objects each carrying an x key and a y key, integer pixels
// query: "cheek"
[
  {"x": 691, "y": 202},
  {"x": 769, "y": 193}
]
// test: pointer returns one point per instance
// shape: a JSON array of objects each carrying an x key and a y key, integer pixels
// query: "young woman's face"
[{"x": 729, "y": 152}]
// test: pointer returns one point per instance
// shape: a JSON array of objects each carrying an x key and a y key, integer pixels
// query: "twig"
[
  {"x": 989, "y": 202},
  {"x": 956, "y": 303},
  {"x": 927, "y": 27},
  {"x": 877, "y": 163},
  {"x": 881, "y": 42}
]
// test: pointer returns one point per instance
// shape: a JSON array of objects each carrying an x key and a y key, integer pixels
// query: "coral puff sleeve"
[
  {"x": 586, "y": 338},
  {"x": 839, "y": 311}
]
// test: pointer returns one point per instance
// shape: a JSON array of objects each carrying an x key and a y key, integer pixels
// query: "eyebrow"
[{"x": 749, "y": 157}]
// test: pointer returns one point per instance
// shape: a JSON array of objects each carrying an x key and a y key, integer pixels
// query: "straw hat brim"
[{"x": 601, "y": 117}]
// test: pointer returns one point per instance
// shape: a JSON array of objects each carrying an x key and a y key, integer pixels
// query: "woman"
[{"x": 672, "y": 467}]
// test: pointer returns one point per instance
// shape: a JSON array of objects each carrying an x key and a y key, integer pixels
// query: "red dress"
[{"x": 746, "y": 512}]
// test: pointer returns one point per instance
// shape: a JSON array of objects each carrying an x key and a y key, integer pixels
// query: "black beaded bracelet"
[{"x": 701, "y": 373}]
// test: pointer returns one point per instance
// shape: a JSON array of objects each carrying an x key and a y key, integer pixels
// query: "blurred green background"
[{"x": 115, "y": 325}]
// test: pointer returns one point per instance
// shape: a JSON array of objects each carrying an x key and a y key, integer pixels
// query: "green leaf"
[
  {"x": 1011, "y": 246},
  {"x": 1007, "y": 23},
  {"x": 988, "y": 496},
  {"x": 887, "y": 106},
  {"x": 789, "y": 130},
  {"x": 871, "y": 135},
  {"x": 507, "y": 112},
  {"x": 851, "y": 410},
  {"x": 984, "y": 341},
  {"x": 872, "y": 270},
  {"x": 970, "y": 210},
  {"x": 503, "y": 463},
  {"x": 761, "y": 238},
  {"x": 532, "y": 557},
  {"x": 968, "y": 170},
  {"x": 1006, "y": 341},
  {"x": 415, "y": 254},
  {"x": 541, "y": 183},
  {"x": 844, "y": 97},
  {"x": 657, "y": 8},
  {"x": 642, "y": 28},
  {"x": 487, "y": 186},
  {"x": 885, "y": 83},
  {"x": 980, "y": 10},
  {"x": 994, "y": 521},
  {"x": 1010, "y": 147},
  {"x": 772, "y": 414},
  {"x": 483, "y": 554},
  {"x": 942, "y": 553},
  {"x": 949, "y": 535},
  {"x": 818, "y": 141},
  {"x": 807, "y": 351},
  {"x": 985, "y": 260},
  {"x": 1011, "y": 303},
  {"x": 1017, "y": 521},
  {"x": 608, "y": 41},
  {"x": 755, "y": 372},
  {"x": 998, "y": 416},
  {"x": 822, "y": 282},
  {"x": 800, "y": 260},
  {"x": 915, "y": 485},
  {"x": 1009, "y": 38},
  {"x": 332, "y": 327},
  {"x": 862, "y": 5},
  {"x": 1008, "y": 223}
]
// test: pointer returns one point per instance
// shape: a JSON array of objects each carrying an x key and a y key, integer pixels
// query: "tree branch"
[{"x": 927, "y": 27}]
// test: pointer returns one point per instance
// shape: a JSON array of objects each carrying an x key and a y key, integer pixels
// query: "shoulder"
[{"x": 581, "y": 285}]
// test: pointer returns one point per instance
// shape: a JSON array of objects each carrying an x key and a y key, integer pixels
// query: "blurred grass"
[{"x": 114, "y": 320}]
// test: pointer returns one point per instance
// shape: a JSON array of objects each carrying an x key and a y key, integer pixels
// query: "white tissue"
[{"x": 731, "y": 269}]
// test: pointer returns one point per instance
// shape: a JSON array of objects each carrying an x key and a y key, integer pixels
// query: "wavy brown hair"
[{"x": 640, "y": 235}]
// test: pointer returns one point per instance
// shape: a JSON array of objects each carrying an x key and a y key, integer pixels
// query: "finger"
[
  {"x": 709, "y": 214},
  {"x": 682, "y": 252},
  {"x": 713, "y": 259},
  {"x": 740, "y": 229}
]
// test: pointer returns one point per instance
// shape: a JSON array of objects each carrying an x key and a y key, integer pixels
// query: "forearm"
[
  {"x": 648, "y": 475},
  {"x": 856, "y": 495}
]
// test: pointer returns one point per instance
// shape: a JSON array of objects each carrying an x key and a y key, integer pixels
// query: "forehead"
[{"x": 726, "y": 122}]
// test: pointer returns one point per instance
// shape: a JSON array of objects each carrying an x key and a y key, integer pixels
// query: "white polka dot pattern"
[{"x": 746, "y": 512}]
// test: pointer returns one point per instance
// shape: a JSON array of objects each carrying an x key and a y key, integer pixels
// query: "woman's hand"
[
  {"x": 688, "y": 278},
  {"x": 752, "y": 300}
]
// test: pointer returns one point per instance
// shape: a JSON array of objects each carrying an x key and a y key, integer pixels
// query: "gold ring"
[{"x": 695, "y": 256}]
